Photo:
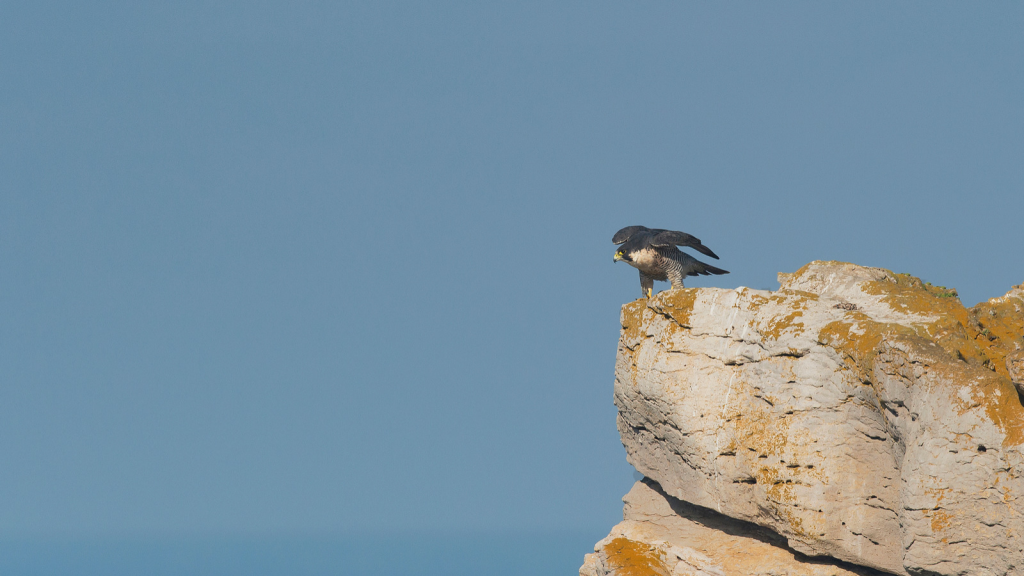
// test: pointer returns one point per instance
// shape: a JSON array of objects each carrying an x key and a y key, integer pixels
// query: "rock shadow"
[{"x": 741, "y": 528}]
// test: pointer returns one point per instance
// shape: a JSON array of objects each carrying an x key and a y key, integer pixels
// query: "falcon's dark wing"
[
  {"x": 625, "y": 234},
  {"x": 673, "y": 238}
]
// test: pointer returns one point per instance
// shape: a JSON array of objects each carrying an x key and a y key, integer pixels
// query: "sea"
[{"x": 490, "y": 554}]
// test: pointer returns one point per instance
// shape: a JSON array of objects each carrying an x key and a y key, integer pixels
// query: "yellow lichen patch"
[
  {"x": 631, "y": 558},
  {"x": 1001, "y": 324},
  {"x": 776, "y": 488},
  {"x": 767, "y": 435},
  {"x": 981, "y": 338},
  {"x": 677, "y": 304},
  {"x": 972, "y": 388},
  {"x": 938, "y": 493},
  {"x": 1002, "y": 405},
  {"x": 1002, "y": 478},
  {"x": 762, "y": 432},
  {"x": 779, "y": 496},
  {"x": 940, "y": 519},
  {"x": 632, "y": 320},
  {"x": 633, "y": 330},
  {"x": 793, "y": 304},
  {"x": 952, "y": 325},
  {"x": 859, "y": 338},
  {"x": 777, "y": 325},
  {"x": 995, "y": 394}
]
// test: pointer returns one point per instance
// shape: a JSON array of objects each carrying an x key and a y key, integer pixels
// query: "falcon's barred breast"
[{"x": 653, "y": 252}]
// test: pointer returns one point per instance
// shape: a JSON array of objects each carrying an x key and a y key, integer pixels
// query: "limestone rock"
[
  {"x": 858, "y": 413},
  {"x": 667, "y": 537},
  {"x": 1015, "y": 368}
]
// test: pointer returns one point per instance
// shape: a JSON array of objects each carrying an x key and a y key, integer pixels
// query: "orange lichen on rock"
[
  {"x": 953, "y": 328},
  {"x": 1003, "y": 407},
  {"x": 859, "y": 340},
  {"x": 632, "y": 320},
  {"x": 778, "y": 324},
  {"x": 1001, "y": 328},
  {"x": 981, "y": 336},
  {"x": 940, "y": 519},
  {"x": 677, "y": 304},
  {"x": 956, "y": 330},
  {"x": 762, "y": 433},
  {"x": 631, "y": 558}
]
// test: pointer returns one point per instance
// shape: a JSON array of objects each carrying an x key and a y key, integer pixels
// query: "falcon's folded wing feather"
[
  {"x": 671, "y": 237},
  {"x": 623, "y": 235}
]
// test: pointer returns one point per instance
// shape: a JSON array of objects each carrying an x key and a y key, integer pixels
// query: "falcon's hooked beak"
[{"x": 620, "y": 255}]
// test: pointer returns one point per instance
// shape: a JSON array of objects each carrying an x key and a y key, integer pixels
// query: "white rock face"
[
  {"x": 859, "y": 414},
  {"x": 664, "y": 536}
]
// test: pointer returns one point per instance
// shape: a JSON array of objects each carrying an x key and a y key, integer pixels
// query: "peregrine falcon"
[{"x": 653, "y": 252}]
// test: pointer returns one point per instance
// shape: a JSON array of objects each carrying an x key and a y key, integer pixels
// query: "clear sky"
[{"x": 294, "y": 267}]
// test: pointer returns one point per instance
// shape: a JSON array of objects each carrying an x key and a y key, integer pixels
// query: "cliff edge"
[{"x": 855, "y": 421}]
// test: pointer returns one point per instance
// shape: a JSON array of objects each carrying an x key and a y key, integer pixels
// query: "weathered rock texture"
[
  {"x": 665, "y": 536},
  {"x": 860, "y": 414}
]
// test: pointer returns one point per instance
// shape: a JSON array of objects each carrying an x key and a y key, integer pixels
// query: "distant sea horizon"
[{"x": 449, "y": 553}]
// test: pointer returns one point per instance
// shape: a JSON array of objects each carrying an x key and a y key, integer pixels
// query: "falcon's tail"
[{"x": 707, "y": 269}]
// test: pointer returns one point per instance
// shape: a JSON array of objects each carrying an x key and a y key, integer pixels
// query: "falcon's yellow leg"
[{"x": 649, "y": 292}]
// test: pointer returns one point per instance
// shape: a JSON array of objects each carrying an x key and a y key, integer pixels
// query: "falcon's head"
[{"x": 622, "y": 254}]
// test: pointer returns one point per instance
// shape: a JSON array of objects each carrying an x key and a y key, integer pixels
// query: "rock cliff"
[{"x": 855, "y": 421}]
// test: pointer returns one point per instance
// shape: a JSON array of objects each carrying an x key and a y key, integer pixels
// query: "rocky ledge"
[{"x": 855, "y": 421}]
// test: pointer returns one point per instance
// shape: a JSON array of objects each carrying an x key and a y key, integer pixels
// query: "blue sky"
[{"x": 315, "y": 267}]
